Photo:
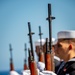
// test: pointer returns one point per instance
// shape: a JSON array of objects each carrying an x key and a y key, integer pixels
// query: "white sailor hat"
[
  {"x": 53, "y": 41},
  {"x": 37, "y": 43},
  {"x": 66, "y": 34}
]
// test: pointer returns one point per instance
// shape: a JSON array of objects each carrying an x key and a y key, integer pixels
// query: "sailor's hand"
[{"x": 40, "y": 66}]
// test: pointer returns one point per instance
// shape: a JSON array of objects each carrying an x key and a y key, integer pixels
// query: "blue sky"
[{"x": 14, "y": 16}]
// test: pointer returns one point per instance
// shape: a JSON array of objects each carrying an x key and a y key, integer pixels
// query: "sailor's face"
[{"x": 61, "y": 49}]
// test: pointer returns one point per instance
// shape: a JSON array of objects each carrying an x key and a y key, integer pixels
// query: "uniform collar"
[{"x": 73, "y": 59}]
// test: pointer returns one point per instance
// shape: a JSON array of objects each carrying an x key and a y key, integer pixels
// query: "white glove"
[
  {"x": 40, "y": 66},
  {"x": 13, "y": 73}
]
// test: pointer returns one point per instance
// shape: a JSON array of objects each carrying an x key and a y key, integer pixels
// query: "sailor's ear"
[{"x": 70, "y": 46}]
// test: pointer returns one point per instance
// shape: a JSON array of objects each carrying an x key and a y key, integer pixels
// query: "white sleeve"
[
  {"x": 48, "y": 72},
  {"x": 25, "y": 72}
]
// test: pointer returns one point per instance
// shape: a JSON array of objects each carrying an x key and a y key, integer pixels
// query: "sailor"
[
  {"x": 41, "y": 65},
  {"x": 66, "y": 51}
]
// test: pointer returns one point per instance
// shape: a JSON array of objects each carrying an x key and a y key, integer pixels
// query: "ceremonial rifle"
[
  {"x": 50, "y": 18},
  {"x": 11, "y": 59},
  {"x": 41, "y": 53},
  {"x": 32, "y": 64},
  {"x": 25, "y": 61}
]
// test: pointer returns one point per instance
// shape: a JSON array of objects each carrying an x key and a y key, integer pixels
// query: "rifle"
[
  {"x": 50, "y": 18},
  {"x": 32, "y": 63},
  {"x": 25, "y": 61},
  {"x": 41, "y": 53},
  {"x": 11, "y": 59}
]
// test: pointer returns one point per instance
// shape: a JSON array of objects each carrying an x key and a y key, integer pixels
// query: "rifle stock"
[
  {"x": 32, "y": 64},
  {"x": 33, "y": 68}
]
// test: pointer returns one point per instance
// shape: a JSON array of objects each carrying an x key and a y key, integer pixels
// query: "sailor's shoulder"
[{"x": 71, "y": 63}]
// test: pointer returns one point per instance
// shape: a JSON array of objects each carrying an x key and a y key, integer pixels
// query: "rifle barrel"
[
  {"x": 50, "y": 28},
  {"x": 50, "y": 18},
  {"x": 30, "y": 37}
]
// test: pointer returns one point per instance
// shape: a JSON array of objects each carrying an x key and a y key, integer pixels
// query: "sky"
[{"x": 14, "y": 18}]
